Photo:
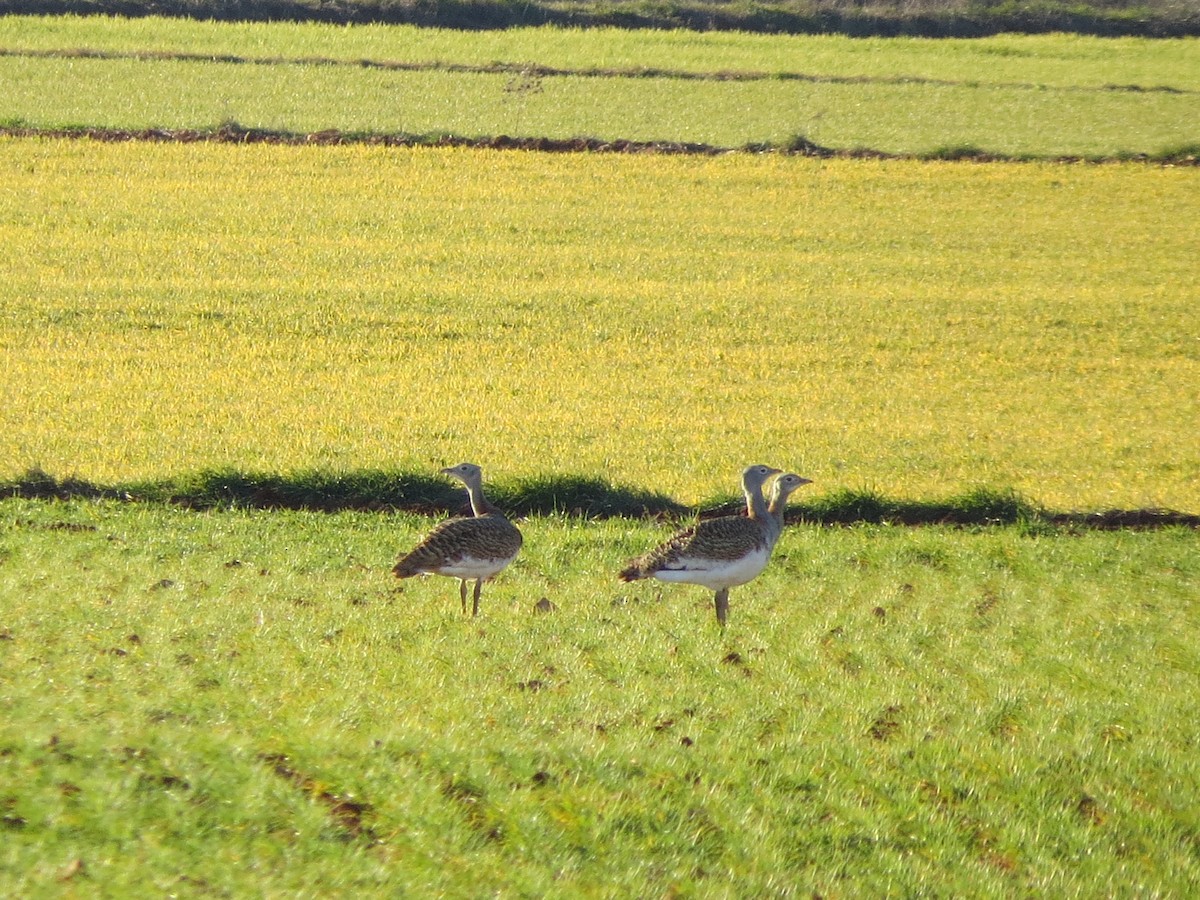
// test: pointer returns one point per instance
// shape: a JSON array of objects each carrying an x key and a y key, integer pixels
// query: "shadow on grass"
[
  {"x": 368, "y": 490},
  {"x": 434, "y": 495}
]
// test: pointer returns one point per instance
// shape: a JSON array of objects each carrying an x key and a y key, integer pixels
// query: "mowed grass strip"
[
  {"x": 1061, "y": 61},
  {"x": 248, "y": 703},
  {"x": 906, "y": 102},
  {"x": 913, "y": 329},
  {"x": 890, "y": 118}
]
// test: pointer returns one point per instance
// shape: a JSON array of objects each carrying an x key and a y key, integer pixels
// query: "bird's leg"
[
  {"x": 722, "y": 602},
  {"x": 462, "y": 593},
  {"x": 478, "y": 586}
]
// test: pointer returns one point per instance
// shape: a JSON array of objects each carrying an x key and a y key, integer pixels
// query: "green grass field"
[
  {"x": 241, "y": 702},
  {"x": 1019, "y": 96},
  {"x": 1063, "y": 61},
  {"x": 247, "y": 703}
]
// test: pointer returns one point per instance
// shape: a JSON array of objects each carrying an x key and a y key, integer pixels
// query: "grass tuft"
[
  {"x": 1183, "y": 154},
  {"x": 958, "y": 153},
  {"x": 799, "y": 143}
]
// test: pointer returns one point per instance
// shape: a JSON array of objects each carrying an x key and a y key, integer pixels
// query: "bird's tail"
[{"x": 631, "y": 572}]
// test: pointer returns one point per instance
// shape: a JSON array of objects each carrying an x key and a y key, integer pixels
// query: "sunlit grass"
[
  {"x": 1052, "y": 60},
  {"x": 1023, "y": 96},
  {"x": 242, "y": 703},
  {"x": 909, "y": 118},
  {"x": 922, "y": 711},
  {"x": 655, "y": 322}
]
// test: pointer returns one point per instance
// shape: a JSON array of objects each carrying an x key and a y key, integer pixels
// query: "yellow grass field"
[{"x": 914, "y": 328}]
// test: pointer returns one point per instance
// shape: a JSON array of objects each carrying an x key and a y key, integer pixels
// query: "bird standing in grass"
[
  {"x": 780, "y": 491},
  {"x": 474, "y": 548},
  {"x": 725, "y": 552}
]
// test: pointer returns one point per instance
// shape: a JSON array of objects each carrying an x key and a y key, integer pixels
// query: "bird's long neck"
[
  {"x": 479, "y": 503},
  {"x": 774, "y": 515},
  {"x": 756, "y": 506}
]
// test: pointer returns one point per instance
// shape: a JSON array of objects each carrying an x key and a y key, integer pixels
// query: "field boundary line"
[
  {"x": 536, "y": 70},
  {"x": 234, "y": 133}
]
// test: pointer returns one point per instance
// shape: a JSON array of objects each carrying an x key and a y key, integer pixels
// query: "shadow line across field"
[{"x": 571, "y": 495}]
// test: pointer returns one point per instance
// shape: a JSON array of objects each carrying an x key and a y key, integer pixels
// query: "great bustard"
[
  {"x": 780, "y": 491},
  {"x": 720, "y": 553},
  {"x": 475, "y": 548}
]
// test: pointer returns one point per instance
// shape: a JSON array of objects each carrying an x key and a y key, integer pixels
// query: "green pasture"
[
  {"x": 891, "y": 118},
  {"x": 1064, "y": 61},
  {"x": 1021, "y": 96},
  {"x": 917, "y": 329},
  {"x": 240, "y": 704}
]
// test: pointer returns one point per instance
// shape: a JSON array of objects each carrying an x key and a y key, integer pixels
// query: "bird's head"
[
  {"x": 754, "y": 477},
  {"x": 465, "y": 472},
  {"x": 785, "y": 484}
]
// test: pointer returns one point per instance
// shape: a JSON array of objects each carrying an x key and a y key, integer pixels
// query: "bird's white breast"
[
  {"x": 716, "y": 574},
  {"x": 467, "y": 566}
]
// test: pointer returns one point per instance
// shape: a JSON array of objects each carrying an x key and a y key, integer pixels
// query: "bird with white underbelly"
[
  {"x": 725, "y": 552},
  {"x": 471, "y": 548}
]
